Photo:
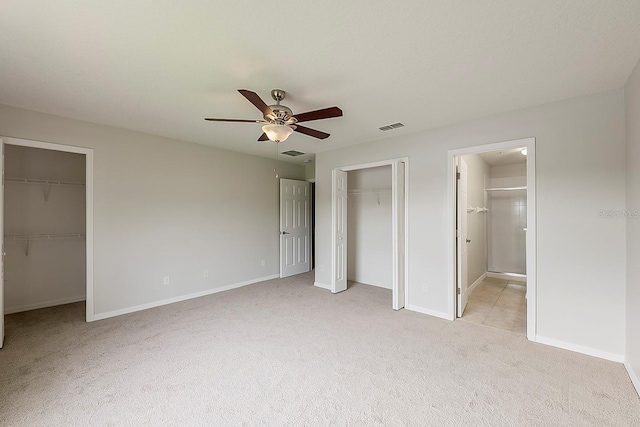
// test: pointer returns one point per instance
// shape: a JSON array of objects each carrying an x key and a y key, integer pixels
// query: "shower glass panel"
[{"x": 506, "y": 231}]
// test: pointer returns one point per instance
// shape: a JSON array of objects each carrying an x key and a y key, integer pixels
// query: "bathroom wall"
[{"x": 507, "y": 218}]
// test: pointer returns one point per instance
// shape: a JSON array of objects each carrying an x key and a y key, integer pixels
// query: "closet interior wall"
[
  {"x": 369, "y": 229},
  {"x": 44, "y": 227}
]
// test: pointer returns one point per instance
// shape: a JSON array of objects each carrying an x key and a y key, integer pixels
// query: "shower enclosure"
[{"x": 506, "y": 230}]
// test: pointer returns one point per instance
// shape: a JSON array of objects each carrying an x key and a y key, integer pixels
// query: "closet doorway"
[
  {"x": 492, "y": 194},
  {"x": 47, "y": 224},
  {"x": 392, "y": 192}
]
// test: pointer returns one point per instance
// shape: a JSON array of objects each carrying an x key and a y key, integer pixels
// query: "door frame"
[
  {"x": 88, "y": 153},
  {"x": 531, "y": 245},
  {"x": 395, "y": 248}
]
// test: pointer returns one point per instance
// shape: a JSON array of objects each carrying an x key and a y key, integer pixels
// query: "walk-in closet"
[{"x": 44, "y": 228}]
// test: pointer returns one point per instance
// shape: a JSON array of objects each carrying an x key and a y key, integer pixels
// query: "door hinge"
[
  {"x": 459, "y": 291},
  {"x": 457, "y": 175}
]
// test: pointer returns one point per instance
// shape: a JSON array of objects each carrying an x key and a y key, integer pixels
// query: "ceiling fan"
[{"x": 279, "y": 121}]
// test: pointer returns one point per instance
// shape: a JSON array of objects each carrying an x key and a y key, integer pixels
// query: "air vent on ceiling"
[
  {"x": 392, "y": 126},
  {"x": 292, "y": 153}
]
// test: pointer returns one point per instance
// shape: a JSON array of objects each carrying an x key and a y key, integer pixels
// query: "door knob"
[
  {"x": 468, "y": 241},
  {"x": 284, "y": 232}
]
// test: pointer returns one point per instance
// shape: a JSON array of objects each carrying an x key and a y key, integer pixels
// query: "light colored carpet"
[{"x": 286, "y": 353}]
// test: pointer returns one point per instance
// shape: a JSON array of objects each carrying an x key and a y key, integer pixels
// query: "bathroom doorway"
[{"x": 493, "y": 216}]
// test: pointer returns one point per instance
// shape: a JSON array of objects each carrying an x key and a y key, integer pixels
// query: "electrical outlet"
[
  {"x": 424, "y": 287},
  {"x": 165, "y": 280},
  {"x": 206, "y": 273},
  {"x": 263, "y": 263}
]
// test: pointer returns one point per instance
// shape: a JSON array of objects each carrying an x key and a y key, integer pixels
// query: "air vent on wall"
[
  {"x": 392, "y": 126},
  {"x": 292, "y": 153}
]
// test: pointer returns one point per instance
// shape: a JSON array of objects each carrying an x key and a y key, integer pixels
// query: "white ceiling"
[
  {"x": 162, "y": 66},
  {"x": 504, "y": 157}
]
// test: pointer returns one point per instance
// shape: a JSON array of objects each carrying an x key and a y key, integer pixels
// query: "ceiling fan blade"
[
  {"x": 325, "y": 113},
  {"x": 232, "y": 120},
  {"x": 263, "y": 137},
  {"x": 312, "y": 132},
  {"x": 255, "y": 99}
]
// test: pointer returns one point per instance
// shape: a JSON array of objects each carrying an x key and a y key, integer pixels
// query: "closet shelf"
[
  {"x": 47, "y": 184},
  {"x": 29, "y": 237},
  {"x": 42, "y": 236},
  {"x": 505, "y": 188},
  {"x": 370, "y": 191},
  {"x": 44, "y": 181},
  {"x": 375, "y": 191}
]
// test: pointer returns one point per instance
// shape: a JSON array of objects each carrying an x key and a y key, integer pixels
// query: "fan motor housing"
[{"x": 281, "y": 113}]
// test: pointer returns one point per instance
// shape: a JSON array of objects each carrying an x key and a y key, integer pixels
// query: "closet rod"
[
  {"x": 505, "y": 188},
  {"x": 371, "y": 191},
  {"x": 43, "y": 181}
]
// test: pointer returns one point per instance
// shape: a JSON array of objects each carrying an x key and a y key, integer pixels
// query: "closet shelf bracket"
[
  {"x": 28, "y": 238},
  {"x": 47, "y": 184}
]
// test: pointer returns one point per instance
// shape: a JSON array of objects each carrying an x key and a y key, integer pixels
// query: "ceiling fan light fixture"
[{"x": 277, "y": 132}]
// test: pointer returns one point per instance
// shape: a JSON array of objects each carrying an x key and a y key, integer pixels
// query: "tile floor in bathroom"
[{"x": 500, "y": 304}]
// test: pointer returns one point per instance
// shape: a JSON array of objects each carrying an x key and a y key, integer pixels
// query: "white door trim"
[
  {"x": 88, "y": 152},
  {"x": 394, "y": 190},
  {"x": 530, "y": 143}
]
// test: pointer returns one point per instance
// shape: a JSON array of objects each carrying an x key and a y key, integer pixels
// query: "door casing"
[{"x": 88, "y": 153}]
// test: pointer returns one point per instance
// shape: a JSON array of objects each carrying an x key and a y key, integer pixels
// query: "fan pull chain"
[{"x": 275, "y": 170}]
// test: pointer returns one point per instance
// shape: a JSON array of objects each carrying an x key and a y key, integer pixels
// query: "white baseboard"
[
  {"x": 580, "y": 349},
  {"x": 634, "y": 377},
  {"x": 477, "y": 282},
  {"x": 508, "y": 276},
  {"x": 427, "y": 311},
  {"x": 52, "y": 303},
  {"x": 370, "y": 284},
  {"x": 321, "y": 285},
  {"x": 101, "y": 316}
]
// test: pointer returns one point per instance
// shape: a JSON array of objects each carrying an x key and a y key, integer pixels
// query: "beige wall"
[
  {"x": 509, "y": 171},
  {"x": 632, "y": 96},
  {"x": 580, "y": 161},
  {"x": 164, "y": 207}
]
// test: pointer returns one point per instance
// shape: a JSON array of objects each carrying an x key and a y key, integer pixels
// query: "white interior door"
[
  {"x": 295, "y": 231},
  {"x": 462, "y": 240},
  {"x": 398, "y": 218},
  {"x": 2, "y": 247},
  {"x": 339, "y": 264}
]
